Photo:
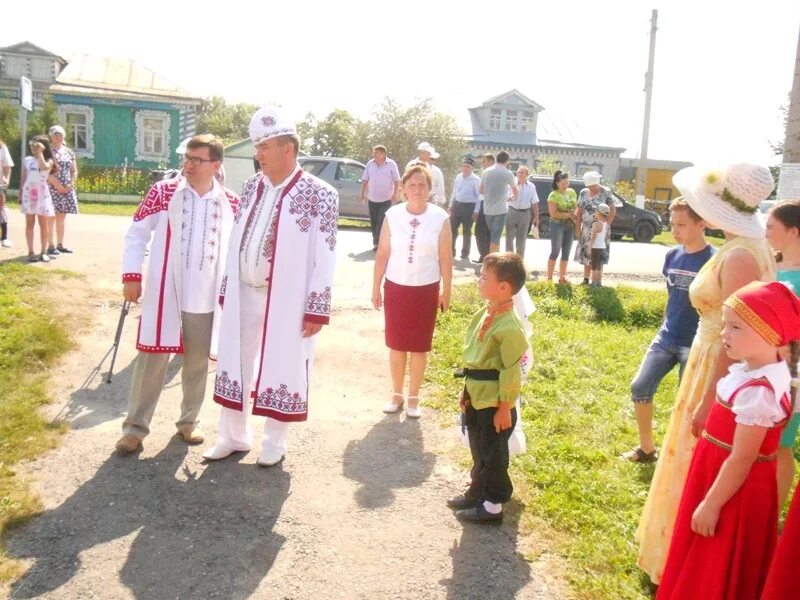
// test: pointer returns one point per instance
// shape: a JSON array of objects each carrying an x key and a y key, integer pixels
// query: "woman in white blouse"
[{"x": 414, "y": 255}]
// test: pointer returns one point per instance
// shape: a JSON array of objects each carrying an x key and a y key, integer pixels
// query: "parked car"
[
  {"x": 630, "y": 220},
  {"x": 343, "y": 174}
]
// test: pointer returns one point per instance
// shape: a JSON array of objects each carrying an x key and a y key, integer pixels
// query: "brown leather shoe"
[
  {"x": 191, "y": 435},
  {"x": 128, "y": 443}
]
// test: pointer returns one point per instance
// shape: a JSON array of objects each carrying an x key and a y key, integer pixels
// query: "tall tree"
[{"x": 227, "y": 121}]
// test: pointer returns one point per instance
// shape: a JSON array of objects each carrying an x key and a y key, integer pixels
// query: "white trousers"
[{"x": 234, "y": 425}]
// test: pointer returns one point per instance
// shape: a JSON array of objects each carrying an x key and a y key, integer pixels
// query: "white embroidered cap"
[
  {"x": 56, "y": 129},
  {"x": 267, "y": 123}
]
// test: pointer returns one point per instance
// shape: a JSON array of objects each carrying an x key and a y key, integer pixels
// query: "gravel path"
[{"x": 355, "y": 511}]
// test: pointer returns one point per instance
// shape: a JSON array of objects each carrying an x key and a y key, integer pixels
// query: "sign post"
[{"x": 25, "y": 105}]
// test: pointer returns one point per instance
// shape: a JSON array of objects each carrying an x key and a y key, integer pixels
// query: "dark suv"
[{"x": 630, "y": 220}]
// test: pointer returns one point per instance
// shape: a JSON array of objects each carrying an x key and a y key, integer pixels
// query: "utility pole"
[
  {"x": 789, "y": 182},
  {"x": 641, "y": 170}
]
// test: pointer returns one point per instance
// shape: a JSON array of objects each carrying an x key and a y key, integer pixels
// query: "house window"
[
  {"x": 42, "y": 70},
  {"x": 581, "y": 168},
  {"x": 511, "y": 120},
  {"x": 527, "y": 121},
  {"x": 15, "y": 67},
  {"x": 152, "y": 135},
  {"x": 494, "y": 118},
  {"x": 77, "y": 120}
]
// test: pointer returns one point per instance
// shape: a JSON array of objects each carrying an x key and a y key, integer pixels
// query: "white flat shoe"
[
  {"x": 391, "y": 408},
  {"x": 220, "y": 451},
  {"x": 414, "y": 412},
  {"x": 270, "y": 458}
]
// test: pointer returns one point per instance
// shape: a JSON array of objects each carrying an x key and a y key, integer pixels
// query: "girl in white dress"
[{"x": 35, "y": 200}]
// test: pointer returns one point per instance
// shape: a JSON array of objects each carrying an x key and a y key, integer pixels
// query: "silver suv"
[{"x": 343, "y": 174}]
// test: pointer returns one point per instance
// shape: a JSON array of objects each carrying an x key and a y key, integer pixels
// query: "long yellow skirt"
[{"x": 661, "y": 509}]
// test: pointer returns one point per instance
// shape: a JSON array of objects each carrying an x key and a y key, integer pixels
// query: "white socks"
[{"x": 492, "y": 508}]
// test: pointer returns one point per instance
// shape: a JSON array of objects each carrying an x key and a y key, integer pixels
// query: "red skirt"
[
  {"x": 410, "y": 315},
  {"x": 783, "y": 581},
  {"x": 731, "y": 565}
]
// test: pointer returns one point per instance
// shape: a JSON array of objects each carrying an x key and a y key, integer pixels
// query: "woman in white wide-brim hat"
[{"x": 726, "y": 199}]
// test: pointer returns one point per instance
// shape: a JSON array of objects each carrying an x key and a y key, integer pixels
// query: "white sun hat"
[
  {"x": 268, "y": 123},
  {"x": 591, "y": 178},
  {"x": 728, "y": 197},
  {"x": 425, "y": 147}
]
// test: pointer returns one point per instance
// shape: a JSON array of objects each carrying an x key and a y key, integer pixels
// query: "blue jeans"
[
  {"x": 495, "y": 223},
  {"x": 657, "y": 362},
  {"x": 561, "y": 237}
]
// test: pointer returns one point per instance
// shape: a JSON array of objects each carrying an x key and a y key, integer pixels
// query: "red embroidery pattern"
[
  {"x": 267, "y": 121},
  {"x": 414, "y": 224},
  {"x": 157, "y": 199},
  {"x": 248, "y": 195},
  {"x": 269, "y": 242},
  {"x": 227, "y": 388},
  {"x": 282, "y": 400},
  {"x": 319, "y": 303},
  {"x": 131, "y": 277},
  {"x": 312, "y": 199}
]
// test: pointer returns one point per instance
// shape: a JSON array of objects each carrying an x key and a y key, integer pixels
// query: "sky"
[{"x": 722, "y": 69}]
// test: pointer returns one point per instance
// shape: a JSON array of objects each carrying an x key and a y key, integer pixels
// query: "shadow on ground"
[{"x": 199, "y": 534}]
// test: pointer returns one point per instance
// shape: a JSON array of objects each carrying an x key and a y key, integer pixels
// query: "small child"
[
  {"x": 35, "y": 200},
  {"x": 494, "y": 348},
  {"x": 673, "y": 341},
  {"x": 598, "y": 242},
  {"x": 726, "y": 528},
  {"x": 783, "y": 234}
]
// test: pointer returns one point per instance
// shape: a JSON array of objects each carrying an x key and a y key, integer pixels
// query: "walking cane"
[{"x": 122, "y": 314}]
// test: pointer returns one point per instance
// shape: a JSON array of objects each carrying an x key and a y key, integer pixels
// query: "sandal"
[
  {"x": 637, "y": 455},
  {"x": 391, "y": 408},
  {"x": 413, "y": 412},
  {"x": 32, "y": 258}
]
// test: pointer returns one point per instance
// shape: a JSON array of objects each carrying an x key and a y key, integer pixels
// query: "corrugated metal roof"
[{"x": 118, "y": 75}]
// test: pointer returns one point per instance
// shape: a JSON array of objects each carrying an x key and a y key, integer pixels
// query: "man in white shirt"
[
  {"x": 463, "y": 204},
  {"x": 188, "y": 219},
  {"x": 5, "y": 175},
  {"x": 427, "y": 154},
  {"x": 522, "y": 210},
  {"x": 380, "y": 186}
]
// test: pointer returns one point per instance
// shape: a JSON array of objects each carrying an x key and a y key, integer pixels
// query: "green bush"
[{"x": 113, "y": 180}]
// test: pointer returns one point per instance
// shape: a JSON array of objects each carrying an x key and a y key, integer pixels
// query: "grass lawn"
[
  {"x": 31, "y": 341},
  {"x": 126, "y": 210},
  {"x": 578, "y": 419}
]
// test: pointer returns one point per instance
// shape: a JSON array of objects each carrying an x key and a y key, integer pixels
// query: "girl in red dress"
[{"x": 727, "y": 522}]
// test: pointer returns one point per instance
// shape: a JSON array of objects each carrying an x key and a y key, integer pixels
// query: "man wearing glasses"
[{"x": 189, "y": 220}]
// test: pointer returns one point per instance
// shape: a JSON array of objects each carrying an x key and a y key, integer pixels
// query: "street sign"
[
  {"x": 789, "y": 182},
  {"x": 25, "y": 93}
]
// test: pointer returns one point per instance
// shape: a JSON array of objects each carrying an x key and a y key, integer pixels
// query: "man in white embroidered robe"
[
  {"x": 276, "y": 294},
  {"x": 189, "y": 219}
]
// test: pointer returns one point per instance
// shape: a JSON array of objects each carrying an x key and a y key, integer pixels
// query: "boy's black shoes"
[
  {"x": 461, "y": 502},
  {"x": 478, "y": 514}
]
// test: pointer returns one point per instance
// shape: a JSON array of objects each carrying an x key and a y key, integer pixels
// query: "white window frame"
[
  {"x": 20, "y": 67},
  {"x": 45, "y": 65},
  {"x": 495, "y": 116},
  {"x": 527, "y": 121},
  {"x": 141, "y": 152},
  {"x": 512, "y": 120},
  {"x": 88, "y": 113}
]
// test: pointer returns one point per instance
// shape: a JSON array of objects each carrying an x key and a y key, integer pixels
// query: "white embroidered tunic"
[
  {"x": 255, "y": 253},
  {"x": 200, "y": 248}
]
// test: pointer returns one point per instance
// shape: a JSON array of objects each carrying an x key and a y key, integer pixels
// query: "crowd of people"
[
  {"x": 248, "y": 280},
  {"x": 47, "y": 193}
]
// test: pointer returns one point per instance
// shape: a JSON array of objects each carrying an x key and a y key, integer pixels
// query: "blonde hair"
[{"x": 680, "y": 203}]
